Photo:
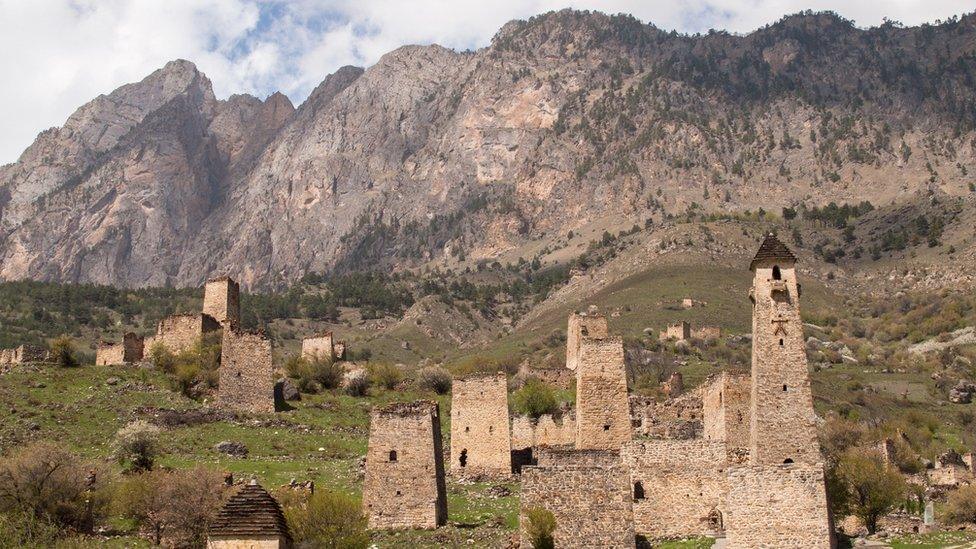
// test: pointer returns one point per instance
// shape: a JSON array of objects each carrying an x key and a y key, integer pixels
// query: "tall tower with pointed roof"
[
  {"x": 250, "y": 518},
  {"x": 783, "y": 424}
]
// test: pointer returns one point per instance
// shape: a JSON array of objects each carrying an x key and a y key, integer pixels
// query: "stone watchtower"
[
  {"x": 582, "y": 325},
  {"x": 783, "y": 423},
  {"x": 246, "y": 372},
  {"x": 602, "y": 408},
  {"x": 480, "y": 439},
  {"x": 405, "y": 486},
  {"x": 222, "y": 300}
]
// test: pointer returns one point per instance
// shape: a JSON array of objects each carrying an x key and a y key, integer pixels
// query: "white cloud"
[{"x": 57, "y": 54}]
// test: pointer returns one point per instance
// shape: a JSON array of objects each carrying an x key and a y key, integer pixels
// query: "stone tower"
[
  {"x": 246, "y": 372},
  {"x": 480, "y": 439},
  {"x": 581, "y": 325},
  {"x": 783, "y": 424},
  {"x": 222, "y": 300},
  {"x": 405, "y": 486},
  {"x": 602, "y": 408}
]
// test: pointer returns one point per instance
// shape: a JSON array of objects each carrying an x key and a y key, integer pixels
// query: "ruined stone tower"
[
  {"x": 480, "y": 439},
  {"x": 222, "y": 300},
  {"x": 783, "y": 425},
  {"x": 581, "y": 325},
  {"x": 246, "y": 372},
  {"x": 602, "y": 408},
  {"x": 404, "y": 486}
]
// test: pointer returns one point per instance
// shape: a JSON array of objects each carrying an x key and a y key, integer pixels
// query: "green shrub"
[
  {"x": 326, "y": 372},
  {"x": 357, "y": 384},
  {"x": 862, "y": 485},
  {"x": 63, "y": 352},
  {"x": 385, "y": 375},
  {"x": 434, "y": 378},
  {"x": 137, "y": 446},
  {"x": 535, "y": 399},
  {"x": 327, "y": 520},
  {"x": 540, "y": 527}
]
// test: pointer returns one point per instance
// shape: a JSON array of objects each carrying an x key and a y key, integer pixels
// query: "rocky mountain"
[{"x": 563, "y": 121}]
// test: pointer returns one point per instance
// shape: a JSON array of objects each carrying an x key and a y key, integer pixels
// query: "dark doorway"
[
  {"x": 521, "y": 458},
  {"x": 463, "y": 460}
]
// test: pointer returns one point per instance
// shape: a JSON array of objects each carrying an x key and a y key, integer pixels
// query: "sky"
[{"x": 56, "y": 55}]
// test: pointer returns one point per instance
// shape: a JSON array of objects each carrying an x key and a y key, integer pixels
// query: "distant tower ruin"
[
  {"x": 405, "y": 486},
  {"x": 322, "y": 346},
  {"x": 783, "y": 424},
  {"x": 246, "y": 372},
  {"x": 222, "y": 300},
  {"x": 602, "y": 408},
  {"x": 589, "y": 324},
  {"x": 480, "y": 439}
]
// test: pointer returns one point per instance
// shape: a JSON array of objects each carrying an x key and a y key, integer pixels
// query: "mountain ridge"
[{"x": 431, "y": 154}]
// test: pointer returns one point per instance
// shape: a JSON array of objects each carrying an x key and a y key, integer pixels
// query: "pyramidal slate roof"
[
  {"x": 250, "y": 512},
  {"x": 772, "y": 248}
]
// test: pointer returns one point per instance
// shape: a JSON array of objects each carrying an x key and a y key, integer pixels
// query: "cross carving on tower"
[{"x": 780, "y": 324}]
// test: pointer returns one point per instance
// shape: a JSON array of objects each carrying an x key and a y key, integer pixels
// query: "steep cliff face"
[{"x": 563, "y": 119}]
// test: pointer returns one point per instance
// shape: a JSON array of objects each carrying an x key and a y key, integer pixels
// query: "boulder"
[
  {"x": 235, "y": 449},
  {"x": 962, "y": 392},
  {"x": 287, "y": 390}
]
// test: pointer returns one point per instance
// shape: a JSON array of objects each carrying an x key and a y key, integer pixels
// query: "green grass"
[
  {"x": 693, "y": 543},
  {"x": 935, "y": 540}
]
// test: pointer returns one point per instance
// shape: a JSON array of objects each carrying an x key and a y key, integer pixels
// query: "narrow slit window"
[{"x": 393, "y": 455}]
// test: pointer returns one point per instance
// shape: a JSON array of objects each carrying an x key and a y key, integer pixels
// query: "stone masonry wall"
[
  {"x": 180, "y": 332},
  {"x": 405, "y": 486},
  {"x": 591, "y": 505},
  {"x": 564, "y": 457},
  {"x": 222, "y": 300},
  {"x": 783, "y": 423},
  {"x": 602, "y": 408},
  {"x": 546, "y": 431},
  {"x": 679, "y": 486},
  {"x": 246, "y": 372},
  {"x": 250, "y": 542},
  {"x": 318, "y": 346},
  {"x": 23, "y": 354},
  {"x": 679, "y": 331},
  {"x": 726, "y": 409},
  {"x": 777, "y": 506},
  {"x": 127, "y": 352},
  {"x": 582, "y": 325},
  {"x": 480, "y": 438},
  {"x": 679, "y": 417},
  {"x": 707, "y": 332}
]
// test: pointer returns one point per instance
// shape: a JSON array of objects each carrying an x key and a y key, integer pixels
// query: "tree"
[
  {"x": 137, "y": 445},
  {"x": 535, "y": 399},
  {"x": 865, "y": 487}
]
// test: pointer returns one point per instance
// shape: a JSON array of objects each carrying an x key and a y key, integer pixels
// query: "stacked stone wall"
[
  {"x": 677, "y": 332},
  {"x": 321, "y": 346},
  {"x": 565, "y": 457},
  {"x": 404, "y": 485},
  {"x": 127, "y": 352},
  {"x": 777, "y": 506},
  {"x": 246, "y": 372},
  {"x": 679, "y": 486},
  {"x": 545, "y": 431},
  {"x": 726, "y": 410},
  {"x": 582, "y": 325},
  {"x": 602, "y": 407},
  {"x": 222, "y": 300},
  {"x": 180, "y": 332},
  {"x": 783, "y": 423},
  {"x": 707, "y": 332},
  {"x": 677, "y": 418},
  {"x": 480, "y": 438},
  {"x": 591, "y": 505},
  {"x": 23, "y": 354},
  {"x": 249, "y": 542}
]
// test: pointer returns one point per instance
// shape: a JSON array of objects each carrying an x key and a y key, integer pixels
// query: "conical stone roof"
[
  {"x": 250, "y": 512},
  {"x": 772, "y": 248}
]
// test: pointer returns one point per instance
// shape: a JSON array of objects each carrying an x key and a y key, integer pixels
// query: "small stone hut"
[{"x": 251, "y": 519}]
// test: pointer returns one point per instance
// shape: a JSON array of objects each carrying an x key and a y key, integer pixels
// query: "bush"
[
  {"x": 961, "y": 507},
  {"x": 357, "y": 384},
  {"x": 22, "y": 529},
  {"x": 328, "y": 520},
  {"x": 63, "y": 352},
  {"x": 193, "y": 370},
  {"x": 385, "y": 375},
  {"x": 862, "y": 485},
  {"x": 176, "y": 505},
  {"x": 434, "y": 378},
  {"x": 324, "y": 371},
  {"x": 541, "y": 524},
  {"x": 535, "y": 399},
  {"x": 137, "y": 445},
  {"x": 48, "y": 484}
]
